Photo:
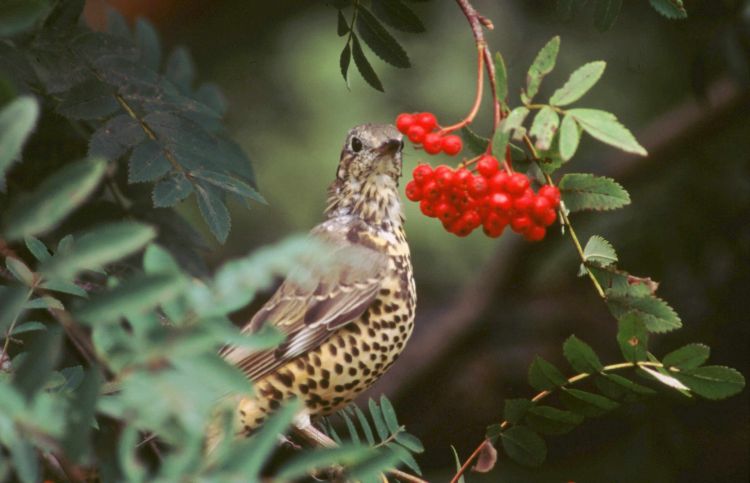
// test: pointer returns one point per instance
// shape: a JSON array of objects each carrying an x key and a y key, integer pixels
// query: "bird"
[{"x": 346, "y": 322}]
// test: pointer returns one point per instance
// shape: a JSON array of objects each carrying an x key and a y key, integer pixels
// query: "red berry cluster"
[
  {"x": 421, "y": 128},
  {"x": 491, "y": 198}
]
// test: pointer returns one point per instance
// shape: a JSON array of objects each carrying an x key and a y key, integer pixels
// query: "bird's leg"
[{"x": 305, "y": 429}]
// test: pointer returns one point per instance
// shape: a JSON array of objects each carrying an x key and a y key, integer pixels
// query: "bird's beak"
[{"x": 392, "y": 146}]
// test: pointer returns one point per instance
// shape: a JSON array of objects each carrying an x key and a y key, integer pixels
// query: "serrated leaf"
[
  {"x": 214, "y": 211},
  {"x": 372, "y": 32},
  {"x": 570, "y": 135},
  {"x": 171, "y": 190},
  {"x": 231, "y": 184},
  {"x": 475, "y": 143},
  {"x": 665, "y": 379},
  {"x": 581, "y": 356},
  {"x": 147, "y": 41},
  {"x": 179, "y": 69},
  {"x": 605, "y": 127},
  {"x": 19, "y": 270},
  {"x": 135, "y": 295},
  {"x": 389, "y": 414},
  {"x": 363, "y": 65},
  {"x": 689, "y": 356},
  {"x": 617, "y": 386},
  {"x": 344, "y": 61},
  {"x": 377, "y": 419},
  {"x": 56, "y": 197},
  {"x": 654, "y": 312},
  {"x": 544, "y": 127},
  {"x": 712, "y": 382},
  {"x": 100, "y": 247},
  {"x": 342, "y": 27},
  {"x": 524, "y": 446},
  {"x": 544, "y": 376},
  {"x": 501, "y": 80},
  {"x": 605, "y": 13},
  {"x": 579, "y": 83},
  {"x": 600, "y": 251},
  {"x": 672, "y": 9},
  {"x": 37, "y": 248},
  {"x": 550, "y": 420},
  {"x": 147, "y": 163},
  {"x": 210, "y": 94},
  {"x": 17, "y": 121},
  {"x": 397, "y": 15},
  {"x": 92, "y": 99},
  {"x": 586, "y": 403},
  {"x": 515, "y": 409},
  {"x": 632, "y": 337},
  {"x": 542, "y": 65},
  {"x": 588, "y": 192},
  {"x": 512, "y": 122},
  {"x": 410, "y": 442},
  {"x": 115, "y": 137}
]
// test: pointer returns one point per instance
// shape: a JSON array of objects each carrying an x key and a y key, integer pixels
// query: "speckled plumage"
[{"x": 348, "y": 326}]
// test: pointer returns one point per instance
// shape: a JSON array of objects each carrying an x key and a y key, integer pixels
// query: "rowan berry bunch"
[
  {"x": 422, "y": 128},
  {"x": 491, "y": 198}
]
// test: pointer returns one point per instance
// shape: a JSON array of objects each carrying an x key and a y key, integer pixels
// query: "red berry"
[
  {"x": 416, "y": 133},
  {"x": 427, "y": 120},
  {"x": 413, "y": 193},
  {"x": 444, "y": 176},
  {"x": 501, "y": 202},
  {"x": 432, "y": 143},
  {"x": 523, "y": 203},
  {"x": 446, "y": 212},
  {"x": 493, "y": 225},
  {"x": 548, "y": 217},
  {"x": 404, "y": 121},
  {"x": 540, "y": 206},
  {"x": 452, "y": 144},
  {"x": 427, "y": 208},
  {"x": 517, "y": 184},
  {"x": 431, "y": 190},
  {"x": 551, "y": 193},
  {"x": 535, "y": 233},
  {"x": 463, "y": 178},
  {"x": 422, "y": 173},
  {"x": 488, "y": 166},
  {"x": 460, "y": 228},
  {"x": 498, "y": 182},
  {"x": 471, "y": 218},
  {"x": 520, "y": 223},
  {"x": 478, "y": 187}
]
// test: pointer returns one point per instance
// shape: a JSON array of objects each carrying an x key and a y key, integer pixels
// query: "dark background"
[{"x": 486, "y": 307}]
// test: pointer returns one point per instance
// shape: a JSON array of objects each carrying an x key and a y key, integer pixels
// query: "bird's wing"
[{"x": 316, "y": 299}]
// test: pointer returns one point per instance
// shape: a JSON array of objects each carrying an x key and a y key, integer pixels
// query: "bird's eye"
[{"x": 356, "y": 145}]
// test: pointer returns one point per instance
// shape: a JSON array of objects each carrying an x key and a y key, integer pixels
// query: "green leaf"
[
  {"x": 474, "y": 142},
  {"x": 353, "y": 434},
  {"x": 17, "y": 16},
  {"x": 655, "y": 313},
  {"x": 55, "y": 198},
  {"x": 99, "y": 247},
  {"x": 38, "y": 249},
  {"x": 389, "y": 414},
  {"x": 365, "y": 425},
  {"x": 600, "y": 251},
  {"x": 581, "y": 356},
  {"x": 542, "y": 65},
  {"x": 379, "y": 40},
  {"x": 342, "y": 27},
  {"x": 12, "y": 301},
  {"x": 171, "y": 190},
  {"x": 19, "y": 270},
  {"x": 690, "y": 356},
  {"x": 212, "y": 372},
  {"x": 344, "y": 61},
  {"x": 586, "y": 403},
  {"x": 377, "y": 419},
  {"x": 57, "y": 285},
  {"x": 570, "y": 135},
  {"x": 544, "y": 127},
  {"x": 81, "y": 415},
  {"x": 35, "y": 368},
  {"x": 544, "y": 376},
  {"x": 364, "y": 67},
  {"x": 410, "y": 442},
  {"x": 115, "y": 137},
  {"x": 632, "y": 337},
  {"x": 228, "y": 183},
  {"x": 605, "y": 13},
  {"x": 147, "y": 163},
  {"x": 588, "y": 192},
  {"x": 214, "y": 211},
  {"x": 147, "y": 41},
  {"x": 28, "y": 327},
  {"x": 605, "y": 127},
  {"x": 25, "y": 460},
  {"x": 376, "y": 463},
  {"x": 712, "y": 382},
  {"x": 515, "y": 409},
  {"x": 135, "y": 295},
  {"x": 617, "y": 386},
  {"x": 397, "y": 15},
  {"x": 524, "y": 446},
  {"x": 458, "y": 464},
  {"x": 17, "y": 120},
  {"x": 44, "y": 302},
  {"x": 301, "y": 465},
  {"x": 91, "y": 99},
  {"x": 512, "y": 122},
  {"x": 180, "y": 70},
  {"x": 406, "y": 458},
  {"x": 665, "y": 378},
  {"x": 672, "y": 9},
  {"x": 501, "y": 80},
  {"x": 549, "y": 420},
  {"x": 579, "y": 83}
]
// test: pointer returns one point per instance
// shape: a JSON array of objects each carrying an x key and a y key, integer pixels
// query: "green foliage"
[
  {"x": 605, "y": 12},
  {"x": 579, "y": 83},
  {"x": 672, "y": 9},
  {"x": 589, "y": 192},
  {"x": 542, "y": 65},
  {"x": 17, "y": 120},
  {"x": 524, "y": 445}
]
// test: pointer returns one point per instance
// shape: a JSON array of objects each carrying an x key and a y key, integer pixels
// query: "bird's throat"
[{"x": 375, "y": 200}]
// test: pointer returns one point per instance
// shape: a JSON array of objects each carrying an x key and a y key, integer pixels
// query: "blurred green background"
[{"x": 486, "y": 307}]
